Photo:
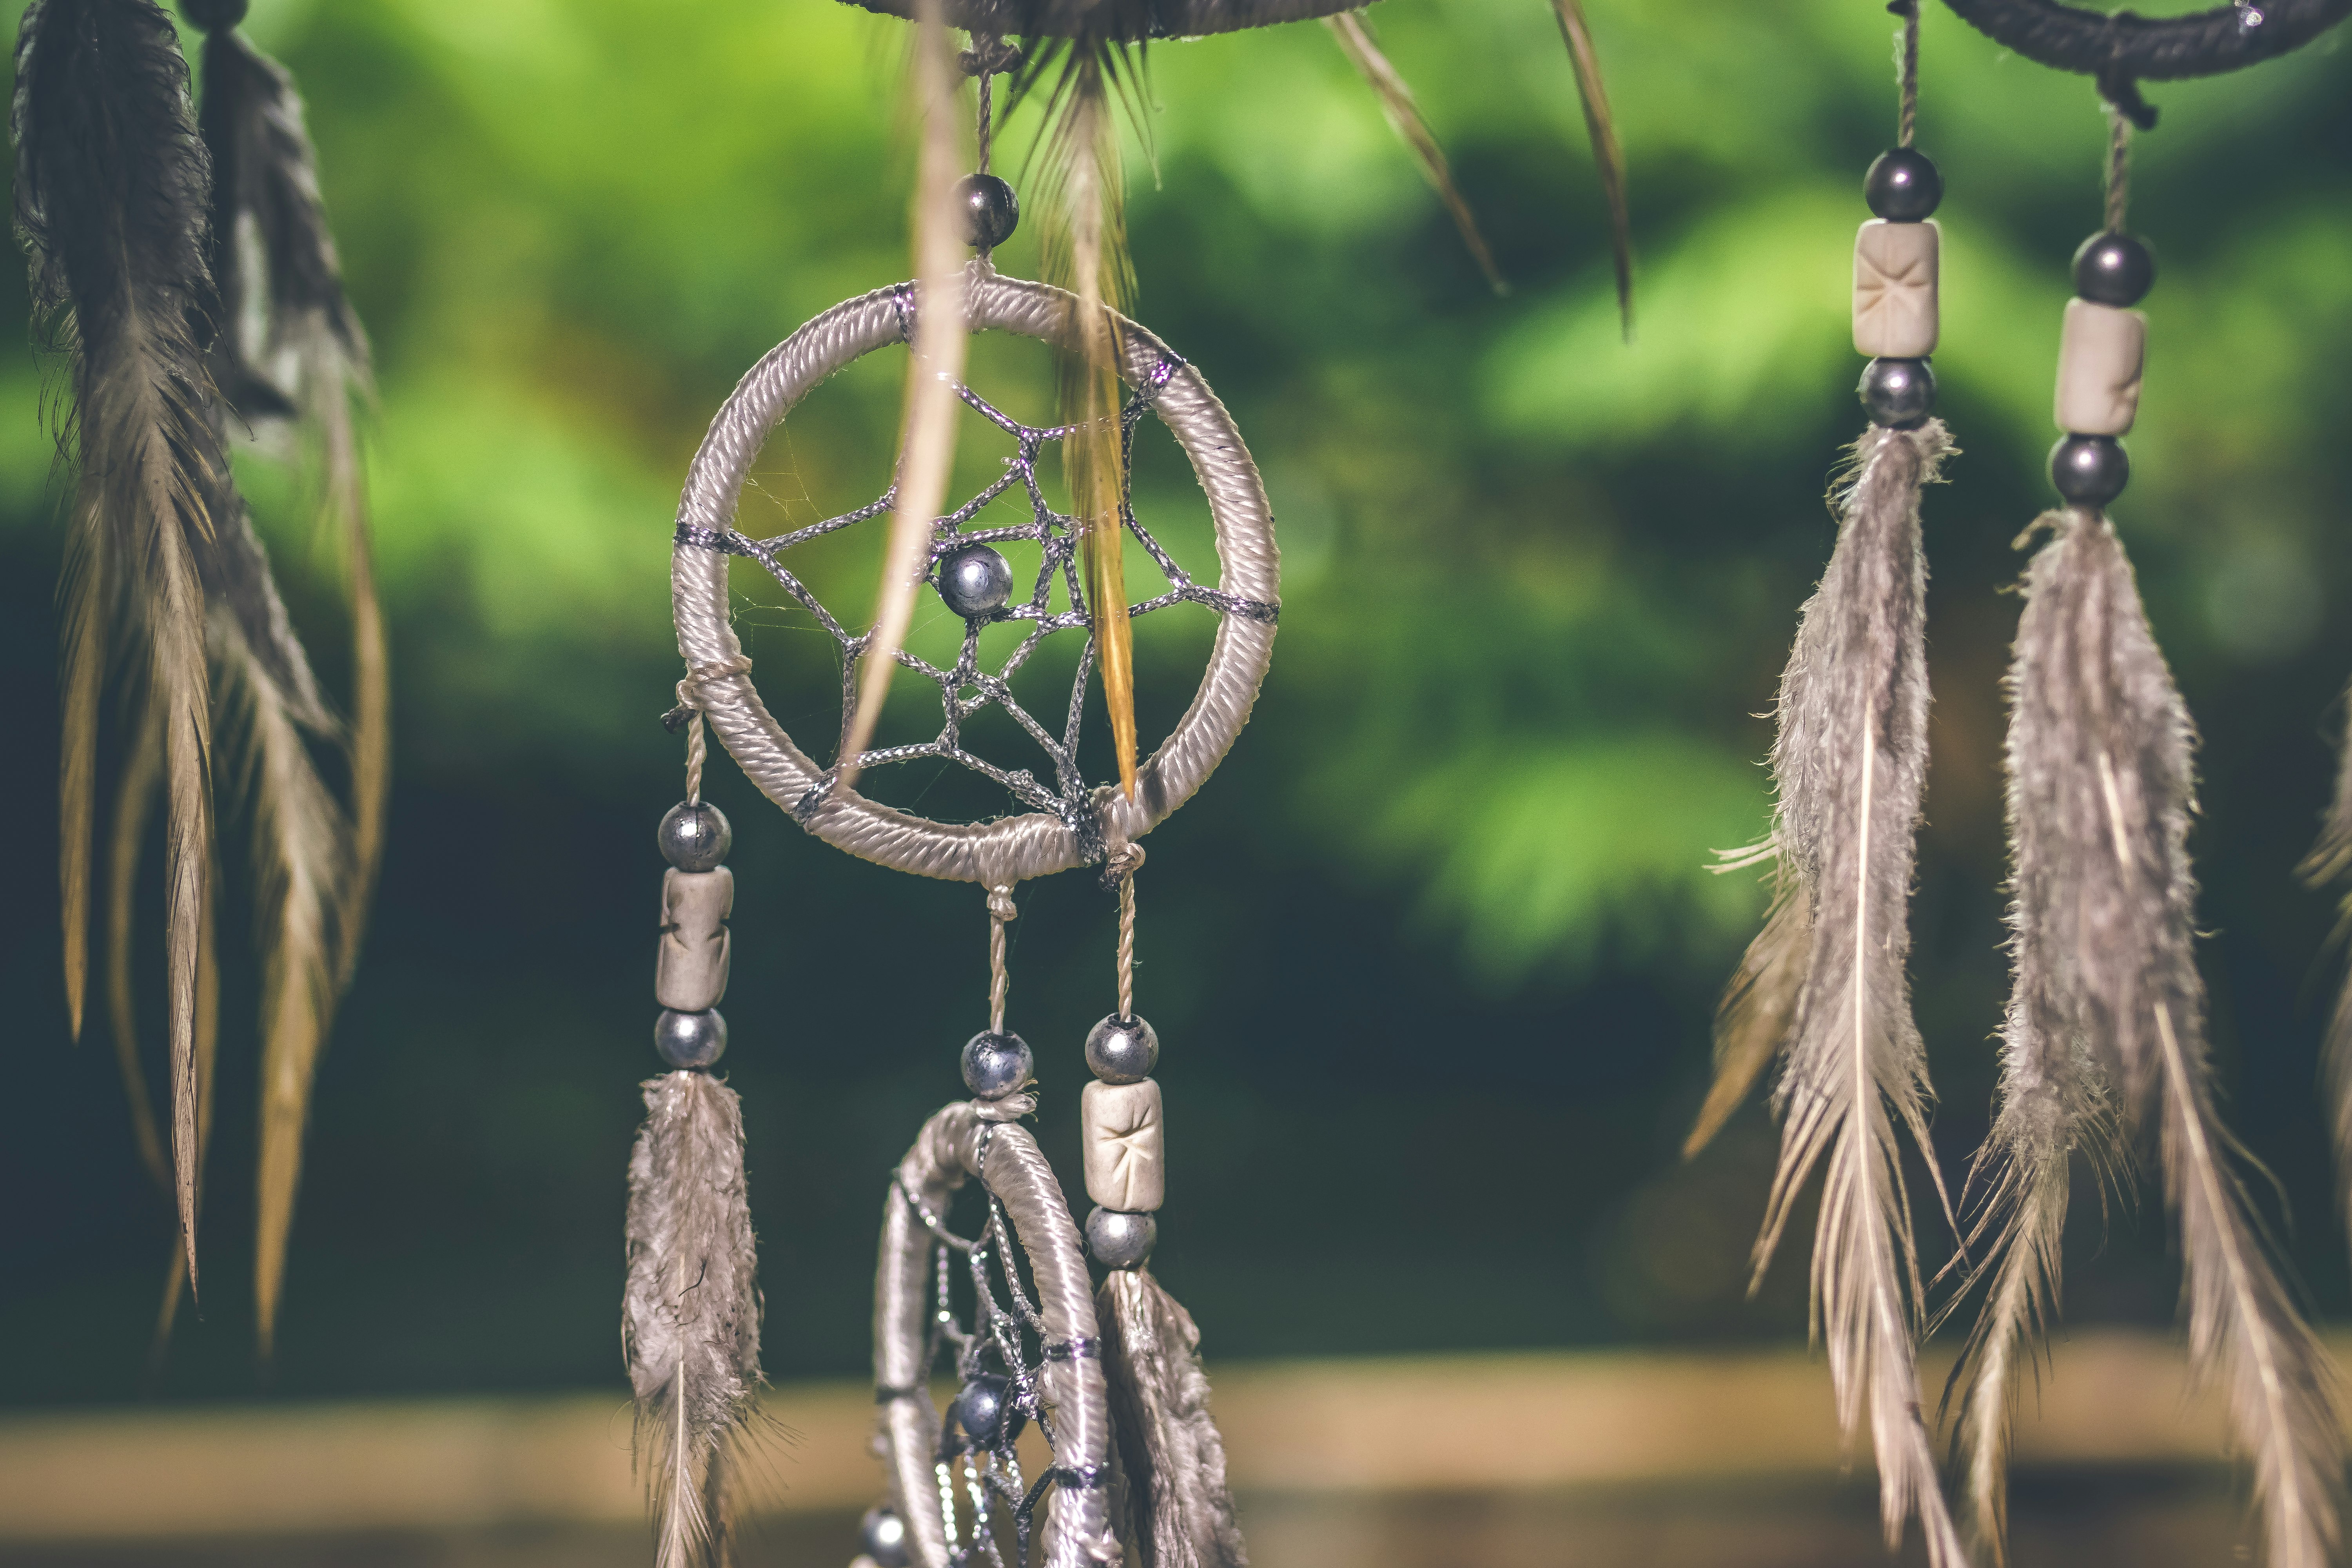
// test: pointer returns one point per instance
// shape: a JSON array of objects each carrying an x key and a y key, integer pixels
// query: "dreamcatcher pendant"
[
  {"x": 1114, "y": 1390},
  {"x": 1823, "y": 986},
  {"x": 2106, "y": 1023}
]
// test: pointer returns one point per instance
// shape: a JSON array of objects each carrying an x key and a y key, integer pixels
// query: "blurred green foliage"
[{"x": 1539, "y": 582}]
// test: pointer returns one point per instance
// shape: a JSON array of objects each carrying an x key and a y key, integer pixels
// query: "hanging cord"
[
  {"x": 2120, "y": 135},
  {"x": 1123, "y": 863},
  {"x": 1001, "y": 914},
  {"x": 1907, "y": 68},
  {"x": 688, "y": 715},
  {"x": 989, "y": 56}
]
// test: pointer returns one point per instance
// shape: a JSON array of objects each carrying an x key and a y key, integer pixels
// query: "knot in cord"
[{"x": 688, "y": 715}]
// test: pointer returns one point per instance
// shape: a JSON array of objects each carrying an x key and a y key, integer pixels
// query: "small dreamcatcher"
[{"x": 1112, "y": 1381}]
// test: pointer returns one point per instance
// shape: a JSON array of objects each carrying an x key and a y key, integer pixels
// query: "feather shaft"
[
  {"x": 1608, "y": 153},
  {"x": 1404, "y": 117},
  {"x": 928, "y": 432}
]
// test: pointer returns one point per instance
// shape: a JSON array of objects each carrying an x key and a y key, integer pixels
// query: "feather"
[
  {"x": 111, "y": 187},
  {"x": 935, "y": 366},
  {"x": 1753, "y": 1017},
  {"x": 1404, "y": 117},
  {"x": 2102, "y": 791},
  {"x": 2330, "y": 863},
  {"x": 299, "y": 844},
  {"x": 1608, "y": 155},
  {"x": 1086, "y": 253},
  {"x": 134, "y": 805},
  {"x": 85, "y": 604},
  {"x": 1850, "y": 763},
  {"x": 1170, "y": 1460},
  {"x": 371, "y": 724},
  {"x": 690, "y": 1320},
  {"x": 175, "y": 1275}
]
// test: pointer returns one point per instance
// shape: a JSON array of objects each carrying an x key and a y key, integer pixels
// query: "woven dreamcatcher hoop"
[{"x": 1069, "y": 825}]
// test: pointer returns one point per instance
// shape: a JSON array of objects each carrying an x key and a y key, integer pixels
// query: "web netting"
[
  {"x": 1056, "y": 603},
  {"x": 1005, "y": 1345}
]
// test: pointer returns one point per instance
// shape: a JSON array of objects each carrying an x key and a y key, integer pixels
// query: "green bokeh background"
[{"x": 1433, "y": 956}]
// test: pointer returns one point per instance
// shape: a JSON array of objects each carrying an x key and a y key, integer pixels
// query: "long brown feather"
[
  {"x": 83, "y": 593},
  {"x": 1850, "y": 763},
  {"x": 300, "y": 846},
  {"x": 1388, "y": 85},
  {"x": 207, "y": 1054},
  {"x": 1608, "y": 155},
  {"x": 370, "y": 723},
  {"x": 935, "y": 365},
  {"x": 2330, "y": 864},
  {"x": 134, "y": 807},
  {"x": 1752, "y": 1019},
  {"x": 2102, "y": 795}
]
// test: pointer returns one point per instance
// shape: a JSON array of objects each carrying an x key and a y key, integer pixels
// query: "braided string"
[
  {"x": 1122, "y": 863},
  {"x": 1907, "y": 71},
  {"x": 688, "y": 712},
  {"x": 2119, "y": 134},
  {"x": 1001, "y": 913}
]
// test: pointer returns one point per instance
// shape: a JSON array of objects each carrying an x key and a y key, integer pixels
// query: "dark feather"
[{"x": 112, "y": 191}]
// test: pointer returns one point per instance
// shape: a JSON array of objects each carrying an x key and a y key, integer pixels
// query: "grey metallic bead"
[
  {"x": 985, "y": 1411},
  {"x": 690, "y": 1039},
  {"x": 695, "y": 836},
  {"x": 1119, "y": 1239},
  {"x": 997, "y": 1065},
  {"x": 2114, "y": 270},
  {"x": 884, "y": 1534},
  {"x": 1122, "y": 1050},
  {"x": 991, "y": 211},
  {"x": 1903, "y": 185},
  {"x": 1897, "y": 392},
  {"x": 2089, "y": 470},
  {"x": 975, "y": 582}
]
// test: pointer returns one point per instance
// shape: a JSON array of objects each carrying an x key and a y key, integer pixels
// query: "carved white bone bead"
[
  {"x": 2101, "y": 351},
  {"x": 1894, "y": 271},
  {"x": 690, "y": 971},
  {"x": 1125, "y": 1144}
]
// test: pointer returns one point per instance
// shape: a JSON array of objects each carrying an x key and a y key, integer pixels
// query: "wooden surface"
[{"x": 1301, "y": 1435}]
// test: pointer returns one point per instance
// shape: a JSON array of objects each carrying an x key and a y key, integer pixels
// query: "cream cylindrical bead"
[
  {"x": 1894, "y": 272},
  {"x": 690, "y": 971},
  {"x": 1125, "y": 1151},
  {"x": 2101, "y": 352}
]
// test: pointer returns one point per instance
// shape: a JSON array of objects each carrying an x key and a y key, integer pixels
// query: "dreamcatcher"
[{"x": 182, "y": 264}]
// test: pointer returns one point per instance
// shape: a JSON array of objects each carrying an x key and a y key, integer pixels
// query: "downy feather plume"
[
  {"x": 1403, "y": 115},
  {"x": 111, "y": 187},
  {"x": 2109, "y": 1010},
  {"x": 935, "y": 365},
  {"x": 291, "y": 350},
  {"x": 2330, "y": 864},
  {"x": 1171, "y": 1458},
  {"x": 690, "y": 1318},
  {"x": 1850, "y": 765},
  {"x": 1085, "y": 201}
]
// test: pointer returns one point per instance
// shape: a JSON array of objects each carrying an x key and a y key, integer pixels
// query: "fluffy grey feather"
[
  {"x": 1850, "y": 763},
  {"x": 690, "y": 1317},
  {"x": 2330, "y": 864},
  {"x": 2107, "y": 994},
  {"x": 1170, "y": 1458}
]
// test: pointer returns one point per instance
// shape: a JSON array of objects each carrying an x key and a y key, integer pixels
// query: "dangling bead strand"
[
  {"x": 2102, "y": 347},
  {"x": 691, "y": 957},
  {"x": 1125, "y": 1139},
  {"x": 1897, "y": 256}
]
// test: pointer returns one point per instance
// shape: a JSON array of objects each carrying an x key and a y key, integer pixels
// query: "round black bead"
[
  {"x": 1897, "y": 392},
  {"x": 2114, "y": 270},
  {"x": 1119, "y": 1239},
  {"x": 884, "y": 1535},
  {"x": 985, "y": 1410},
  {"x": 1122, "y": 1050},
  {"x": 976, "y": 580},
  {"x": 997, "y": 1065},
  {"x": 690, "y": 1039},
  {"x": 2089, "y": 470},
  {"x": 991, "y": 211},
  {"x": 1903, "y": 185},
  {"x": 213, "y": 16},
  {"x": 695, "y": 836}
]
